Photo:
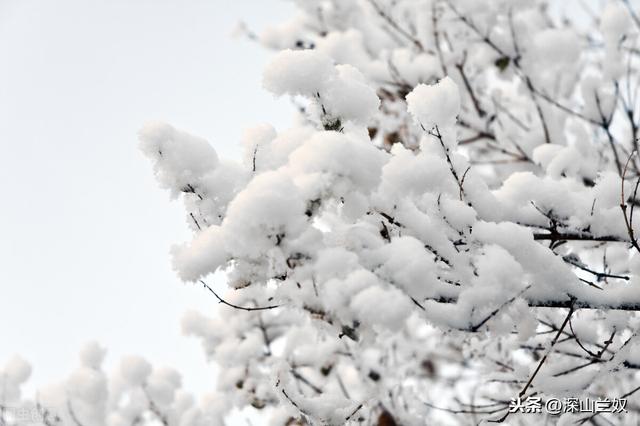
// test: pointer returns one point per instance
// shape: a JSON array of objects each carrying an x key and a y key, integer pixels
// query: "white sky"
[{"x": 84, "y": 230}]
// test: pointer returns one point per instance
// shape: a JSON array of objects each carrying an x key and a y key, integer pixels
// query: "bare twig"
[
  {"x": 633, "y": 306},
  {"x": 393, "y": 24},
  {"x": 477, "y": 326},
  {"x": 623, "y": 206},
  {"x": 242, "y": 308}
]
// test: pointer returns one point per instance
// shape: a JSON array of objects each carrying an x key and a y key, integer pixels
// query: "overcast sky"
[{"x": 84, "y": 230}]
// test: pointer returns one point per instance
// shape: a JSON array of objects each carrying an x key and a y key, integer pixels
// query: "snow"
[
  {"x": 162, "y": 386},
  {"x": 339, "y": 92},
  {"x": 500, "y": 277},
  {"x": 275, "y": 153},
  {"x": 435, "y": 105},
  {"x": 556, "y": 48},
  {"x": 298, "y": 72},
  {"x": 349, "y": 97},
  {"x": 615, "y": 22},
  {"x": 201, "y": 256},
  {"x": 269, "y": 206},
  {"x": 255, "y": 141},
  {"x": 345, "y": 48},
  {"x": 89, "y": 385},
  {"x": 384, "y": 307},
  {"x": 135, "y": 370},
  {"x": 179, "y": 158},
  {"x": 16, "y": 371},
  {"x": 415, "y": 67},
  {"x": 284, "y": 35},
  {"x": 598, "y": 97},
  {"x": 408, "y": 174},
  {"x": 331, "y": 154},
  {"x": 549, "y": 278},
  {"x": 608, "y": 190},
  {"x": 337, "y": 293},
  {"x": 457, "y": 213},
  {"x": 92, "y": 355},
  {"x": 334, "y": 262}
]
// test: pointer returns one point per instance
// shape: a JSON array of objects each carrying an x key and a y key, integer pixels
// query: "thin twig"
[
  {"x": 243, "y": 308},
  {"x": 623, "y": 206}
]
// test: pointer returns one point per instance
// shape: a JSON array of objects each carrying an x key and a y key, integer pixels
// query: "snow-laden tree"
[{"x": 448, "y": 225}]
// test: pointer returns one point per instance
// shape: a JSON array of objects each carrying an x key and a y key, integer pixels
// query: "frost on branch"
[{"x": 449, "y": 225}]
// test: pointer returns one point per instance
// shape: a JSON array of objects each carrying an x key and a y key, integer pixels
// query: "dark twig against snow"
[{"x": 242, "y": 308}]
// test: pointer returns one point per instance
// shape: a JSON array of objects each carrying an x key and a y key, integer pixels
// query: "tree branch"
[{"x": 242, "y": 308}]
